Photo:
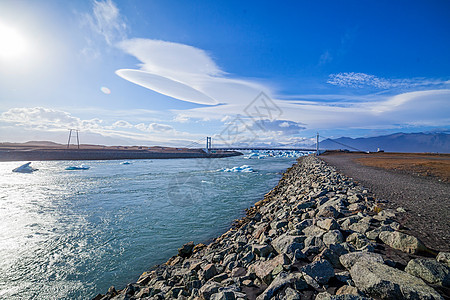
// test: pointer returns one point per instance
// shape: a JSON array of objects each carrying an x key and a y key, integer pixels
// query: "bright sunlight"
[{"x": 12, "y": 43}]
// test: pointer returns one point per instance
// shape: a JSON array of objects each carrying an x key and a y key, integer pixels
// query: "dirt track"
[{"x": 426, "y": 199}]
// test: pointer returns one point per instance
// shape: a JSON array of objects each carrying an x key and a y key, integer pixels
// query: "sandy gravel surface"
[{"x": 426, "y": 200}]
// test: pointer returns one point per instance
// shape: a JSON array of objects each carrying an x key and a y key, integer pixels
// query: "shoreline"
[
  {"x": 316, "y": 235},
  {"x": 105, "y": 154}
]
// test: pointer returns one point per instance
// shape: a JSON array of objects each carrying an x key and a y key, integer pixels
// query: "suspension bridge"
[{"x": 288, "y": 147}]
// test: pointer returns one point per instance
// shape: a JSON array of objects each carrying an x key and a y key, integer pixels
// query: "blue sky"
[{"x": 173, "y": 72}]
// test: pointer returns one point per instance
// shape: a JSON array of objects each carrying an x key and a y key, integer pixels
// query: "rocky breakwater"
[{"x": 316, "y": 235}]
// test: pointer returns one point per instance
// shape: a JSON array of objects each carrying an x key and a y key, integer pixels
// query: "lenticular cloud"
[
  {"x": 166, "y": 86},
  {"x": 185, "y": 73}
]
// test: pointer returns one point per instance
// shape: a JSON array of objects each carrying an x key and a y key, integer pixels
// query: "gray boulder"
[
  {"x": 327, "y": 224},
  {"x": 349, "y": 259},
  {"x": 223, "y": 296},
  {"x": 373, "y": 234},
  {"x": 429, "y": 270},
  {"x": 360, "y": 227},
  {"x": 263, "y": 269},
  {"x": 209, "y": 271},
  {"x": 186, "y": 249},
  {"x": 314, "y": 241},
  {"x": 358, "y": 240},
  {"x": 444, "y": 257},
  {"x": 287, "y": 243},
  {"x": 403, "y": 242},
  {"x": 328, "y": 296},
  {"x": 332, "y": 237},
  {"x": 283, "y": 279},
  {"x": 321, "y": 271},
  {"x": 328, "y": 212},
  {"x": 208, "y": 289},
  {"x": 313, "y": 230},
  {"x": 384, "y": 282},
  {"x": 262, "y": 250}
]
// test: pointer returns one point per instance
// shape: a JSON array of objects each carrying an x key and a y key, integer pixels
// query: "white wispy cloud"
[
  {"x": 362, "y": 80},
  {"x": 122, "y": 124},
  {"x": 104, "y": 25},
  {"x": 155, "y": 128},
  {"x": 45, "y": 118},
  {"x": 40, "y": 119},
  {"x": 106, "y": 21}
]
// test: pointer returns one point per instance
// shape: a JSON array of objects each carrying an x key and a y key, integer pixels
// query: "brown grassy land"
[
  {"x": 421, "y": 164},
  {"x": 43, "y": 145}
]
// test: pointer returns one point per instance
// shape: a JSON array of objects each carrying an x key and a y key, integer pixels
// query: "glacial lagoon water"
[{"x": 73, "y": 234}]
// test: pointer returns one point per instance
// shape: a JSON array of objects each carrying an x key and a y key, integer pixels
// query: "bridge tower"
[
  {"x": 208, "y": 143},
  {"x": 317, "y": 144}
]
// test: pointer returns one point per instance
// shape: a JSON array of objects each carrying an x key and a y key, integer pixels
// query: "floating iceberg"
[
  {"x": 275, "y": 154},
  {"x": 25, "y": 168},
  {"x": 80, "y": 167},
  {"x": 252, "y": 155},
  {"x": 241, "y": 169}
]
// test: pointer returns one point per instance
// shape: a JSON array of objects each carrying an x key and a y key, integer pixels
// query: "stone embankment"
[{"x": 317, "y": 235}]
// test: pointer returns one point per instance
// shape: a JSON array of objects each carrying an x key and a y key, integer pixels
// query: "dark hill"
[{"x": 397, "y": 142}]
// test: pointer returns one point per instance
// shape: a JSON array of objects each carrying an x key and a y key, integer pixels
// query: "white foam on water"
[{"x": 241, "y": 169}]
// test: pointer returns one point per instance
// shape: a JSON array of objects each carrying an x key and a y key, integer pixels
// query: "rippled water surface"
[{"x": 72, "y": 234}]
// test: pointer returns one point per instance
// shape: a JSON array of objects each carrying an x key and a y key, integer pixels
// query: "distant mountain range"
[{"x": 397, "y": 142}]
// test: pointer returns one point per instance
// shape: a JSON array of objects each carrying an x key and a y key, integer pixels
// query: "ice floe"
[
  {"x": 25, "y": 168},
  {"x": 241, "y": 169},
  {"x": 80, "y": 167}
]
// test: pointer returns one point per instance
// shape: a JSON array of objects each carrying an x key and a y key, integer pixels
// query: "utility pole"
[
  {"x": 317, "y": 144},
  {"x": 70, "y": 135}
]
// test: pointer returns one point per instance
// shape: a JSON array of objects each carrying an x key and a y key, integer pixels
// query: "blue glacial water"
[{"x": 73, "y": 234}]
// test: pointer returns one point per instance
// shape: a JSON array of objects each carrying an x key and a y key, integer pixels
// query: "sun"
[{"x": 12, "y": 43}]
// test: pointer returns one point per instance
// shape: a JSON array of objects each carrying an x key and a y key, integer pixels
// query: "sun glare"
[{"x": 12, "y": 43}]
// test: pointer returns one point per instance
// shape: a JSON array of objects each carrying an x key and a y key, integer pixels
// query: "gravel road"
[{"x": 426, "y": 200}]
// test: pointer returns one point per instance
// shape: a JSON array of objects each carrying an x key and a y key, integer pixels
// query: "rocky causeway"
[{"x": 317, "y": 235}]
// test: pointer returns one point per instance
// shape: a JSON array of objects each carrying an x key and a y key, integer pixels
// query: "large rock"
[
  {"x": 328, "y": 212},
  {"x": 373, "y": 234},
  {"x": 262, "y": 250},
  {"x": 209, "y": 271},
  {"x": 349, "y": 259},
  {"x": 186, "y": 249},
  {"x": 360, "y": 227},
  {"x": 384, "y": 282},
  {"x": 348, "y": 290},
  {"x": 313, "y": 230},
  {"x": 429, "y": 270},
  {"x": 287, "y": 243},
  {"x": 278, "y": 224},
  {"x": 403, "y": 242},
  {"x": 327, "y": 224},
  {"x": 358, "y": 240},
  {"x": 444, "y": 257},
  {"x": 314, "y": 241},
  {"x": 208, "y": 289},
  {"x": 321, "y": 271},
  {"x": 283, "y": 279},
  {"x": 328, "y": 296},
  {"x": 332, "y": 237},
  {"x": 223, "y": 296},
  {"x": 263, "y": 269},
  {"x": 306, "y": 204}
]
